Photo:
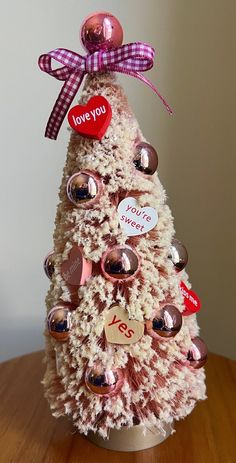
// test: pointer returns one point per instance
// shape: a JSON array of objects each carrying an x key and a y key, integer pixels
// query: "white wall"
[{"x": 194, "y": 70}]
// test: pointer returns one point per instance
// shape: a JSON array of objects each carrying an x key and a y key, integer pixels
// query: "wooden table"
[{"x": 29, "y": 434}]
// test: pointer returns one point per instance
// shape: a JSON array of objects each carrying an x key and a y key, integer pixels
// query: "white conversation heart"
[{"x": 136, "y": 220}]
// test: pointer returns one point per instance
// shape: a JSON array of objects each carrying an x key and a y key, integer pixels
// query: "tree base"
[{"x": 131, "y": 439}]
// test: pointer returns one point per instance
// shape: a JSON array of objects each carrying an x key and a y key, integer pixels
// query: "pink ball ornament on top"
[{"x": 101, "y": 31}]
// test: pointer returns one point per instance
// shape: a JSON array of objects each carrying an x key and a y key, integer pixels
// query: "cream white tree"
[{"x": 119, "y": 351}]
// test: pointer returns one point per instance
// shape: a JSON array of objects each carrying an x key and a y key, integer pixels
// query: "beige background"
[{"x": 195, "y": 70}]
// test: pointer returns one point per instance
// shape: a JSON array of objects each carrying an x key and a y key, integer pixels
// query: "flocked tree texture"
[{"x": 154, "y": 380}]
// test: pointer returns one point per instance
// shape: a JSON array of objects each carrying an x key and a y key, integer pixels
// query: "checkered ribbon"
[{"x": 131, "y": 59}]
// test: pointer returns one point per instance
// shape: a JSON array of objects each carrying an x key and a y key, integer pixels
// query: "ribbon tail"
[
  {"x": 62, "y": 104},
  {"x": 141, "y": 77},
  {"x": 150, "y": 84}
]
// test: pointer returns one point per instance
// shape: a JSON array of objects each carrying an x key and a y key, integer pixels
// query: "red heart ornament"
[
  {"x": 93, "y": 119},
  {"x": 76, "y": 270},
  {"x": 191, "y": 300}
]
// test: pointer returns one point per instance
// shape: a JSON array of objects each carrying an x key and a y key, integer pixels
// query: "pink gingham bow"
[{"x": 131, "y": 59}]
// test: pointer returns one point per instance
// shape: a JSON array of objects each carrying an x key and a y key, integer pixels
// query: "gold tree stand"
[{"x": 131, "y": 439}]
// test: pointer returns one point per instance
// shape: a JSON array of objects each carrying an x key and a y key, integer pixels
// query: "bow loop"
[
  {"x": 95, "y": 62},
  {"x": 131, "y": 59},
  {"x": 71, "y": 62}
]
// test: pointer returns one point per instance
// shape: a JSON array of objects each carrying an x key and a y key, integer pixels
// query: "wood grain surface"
[{"x": 29, "y": 434}]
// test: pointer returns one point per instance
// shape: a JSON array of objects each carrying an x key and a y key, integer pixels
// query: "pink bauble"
[
  {"x": 166, "y": 323},
  {"x": 178, "y": 255},
  {"x": 120, "y": 263},
  {"x": 84, "y": 188},
  {"x": 103, "y": 382},
  {"x": 101, "y": 31},
  {"x": 59, "y": 322},
  {"x": 49, "y": 263},
  {"x": 197, "y": 354},
  {"x": 145, "y": 158}
]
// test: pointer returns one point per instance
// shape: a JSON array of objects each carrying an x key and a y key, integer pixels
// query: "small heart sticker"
[
  {"x": 76, "y": 270},
  {"x": 136, "y": 220},
  {"x": 119, "y": 329},
  {"x": 191, "y": 300},
  {"x": 93, "y": 119}
]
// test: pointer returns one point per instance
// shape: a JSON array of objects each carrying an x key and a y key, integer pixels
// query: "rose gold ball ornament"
[
  {"x": 145, "y": 158},
  {"x": 120, "y": 263},
  {"x": 178, "y": 255},
  {"x": 83, "y": 188},
  {"x": 59, "y": 322},
  {"x": 103, "y": 382},
  {"x": 49, "y": 263},
  {"x": 101, "y": 31},
  {"x": 166, "y": 324},
  {"x": 197, "y": 354}
]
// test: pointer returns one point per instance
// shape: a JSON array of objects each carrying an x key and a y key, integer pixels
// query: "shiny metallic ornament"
[
  {"x": 145, "y": 158},
  {"x": 103, "y": 382},
  {"x": 59, "y": 322},
  {"x": 197, "y": 354},
  {"x": 101, "y": 31},
  {"x": 120, "y": 263},
  {"x": 83, "y": 187},
  {"x": 178, "y": 255},
  {"x": 166, "y": 324},
  {"x": 49, "y": 264}
]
